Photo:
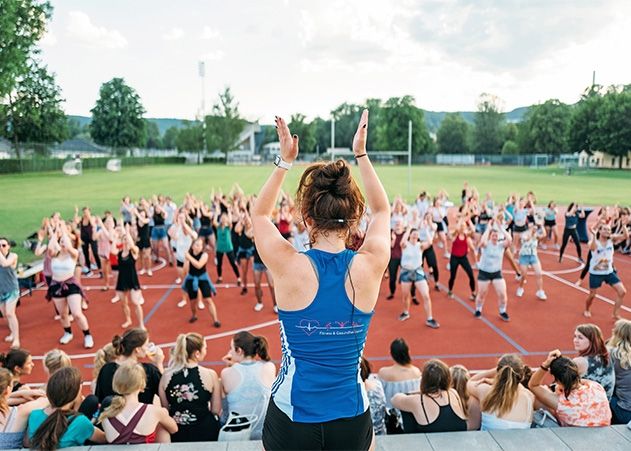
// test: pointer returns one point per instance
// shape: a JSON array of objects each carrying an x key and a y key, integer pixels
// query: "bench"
[{"x": 30, "y": 277}]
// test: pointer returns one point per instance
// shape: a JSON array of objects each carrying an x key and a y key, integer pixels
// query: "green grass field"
[{"x": 25, "y": 199}]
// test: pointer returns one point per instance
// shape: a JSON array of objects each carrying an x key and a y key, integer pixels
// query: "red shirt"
[
  {"x": 395, "y": 252},
  {"x": 459, "y": 247}
]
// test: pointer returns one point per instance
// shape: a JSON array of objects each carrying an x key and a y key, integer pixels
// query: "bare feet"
[
  {"x": 126, "y": 324},
  {"x": 587, "y": 314},
  {"x": 8, "y": 338}
]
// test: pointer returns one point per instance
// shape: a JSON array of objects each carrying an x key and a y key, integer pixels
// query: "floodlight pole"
[
  {"x": 332, "y": 138},
  {"x": 409, "y": 158},
  {"x": 202, "y": 76}
]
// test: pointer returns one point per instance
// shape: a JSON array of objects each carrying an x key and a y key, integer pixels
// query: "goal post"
[{"x": 540, "y": 161}]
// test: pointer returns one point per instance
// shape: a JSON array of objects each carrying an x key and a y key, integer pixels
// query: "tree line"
[{"x": 31, "y": 112}]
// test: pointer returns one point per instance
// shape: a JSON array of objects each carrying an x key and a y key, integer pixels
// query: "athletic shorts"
[
  {"x": 179, "y": 264},
  {"x": 411, "y": 275},
  {"x": 484, "y": 276},
  {"x": 245, "y": 253},
  {"x": 520, "y": 229},
  {"x": 158, "y": 233},
  {"x": 596, "y": 280},
  {"x": 259, "y": 267},
  {"x": 280, "y": 433},
  {"x": 204, "y": 287},
  {"x": 440, "y": 226},
  {"x": 480, "y": 228},
  {"x": 205, "y": 232},
  {"x": 549, "y": 222},
  {"x": 528, "y": 260},
  {"x": 11, "y": 296},
  {"x": 58, "y": 290}
]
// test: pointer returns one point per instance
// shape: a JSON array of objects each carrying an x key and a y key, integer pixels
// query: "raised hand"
[
  {"x": 359, "y": 140},
  {"x": 288, "y": 143}
]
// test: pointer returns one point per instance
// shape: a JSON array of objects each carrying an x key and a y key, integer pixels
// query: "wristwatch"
[{"x": 278, "y": 161}]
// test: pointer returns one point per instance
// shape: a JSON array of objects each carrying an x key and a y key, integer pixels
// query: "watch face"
[{"x": 277, "y": 160}]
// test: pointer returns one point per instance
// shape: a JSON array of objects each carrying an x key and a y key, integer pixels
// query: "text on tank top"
[
  {"x": 491, "y": 259},
  {"x": 412, "y": 256},
  {"x": 602, "y": 258},
  {"x": 319, "y": 379}
]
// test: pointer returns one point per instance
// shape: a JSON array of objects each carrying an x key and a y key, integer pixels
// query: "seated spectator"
[
  {"x": 54, "y": 360},
  {"x": 593, "y": 358},
  {"x": 132, "y": 346},
  {"x": 402, "y": 377},
  {"x": 104, "y": 355},
  {"x": 470, "y": 404},
  {"x": 20, "y": 363},
  {"x": 576, "y": 402},
  {"x": 247, "y": 382},
  {"x": 59, "y": 425},
  {"x": 376, "y": 397},
  {"x": 127, "y": 421},
  {"x": 504, "y": 401},
  {"x": 620, "y": 353},
  {"x": 437, "y": 408},
  {"x": 191, "y": 392},
  {"x": 13, "y": 419}
]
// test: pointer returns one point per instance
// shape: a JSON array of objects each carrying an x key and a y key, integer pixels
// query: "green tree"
[
  {"x": 33, "y": 113},
  {"x": 614, "y": 123},
  {"x": 392, "y": 132},
  {"x": 76, "y": 130},
  {"x": 375, "y": 107},
  {"x": 583, "y": 127},
  {"x": 304, "y": 130},
  {"x": 225, "y": 125},
  {"x": 322, "y": 134},
  {"x": 22, "y": 24},
  {"x": 117, "y": 117},
  {"x": 190, "y": 138},
  {"x": 346, "y": 117},
  {"x": 510, "y": 148},
  {"x": 153, "y": 140},
  {"x": 488, "y": 133},
  {"x": 545, "y": 128},
  {"x": 453, "y": 135},
  {"x": 169, "y": 138}
]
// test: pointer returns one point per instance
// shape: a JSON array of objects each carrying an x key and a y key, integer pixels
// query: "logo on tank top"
[{"x": 312, "y": 326}]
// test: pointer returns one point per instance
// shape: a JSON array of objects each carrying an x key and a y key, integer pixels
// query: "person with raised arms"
[{"x": 326, "y": 298}]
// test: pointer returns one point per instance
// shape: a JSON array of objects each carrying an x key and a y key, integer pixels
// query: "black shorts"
[
  {"x": 484, "y": 276},
  {"x": 520, "y": 229},
  {"x": 549, "y": 222},
  {"x": 204, "y": 287},
  {"x": 440, "y": 226},
  {"x": 179, "y": 264},
  {"x": 280, "y": 433},
  {"x": 59, "y": 290}
]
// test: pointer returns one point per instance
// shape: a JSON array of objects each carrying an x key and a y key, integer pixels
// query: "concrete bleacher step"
[{"x": 614, "y": 438}]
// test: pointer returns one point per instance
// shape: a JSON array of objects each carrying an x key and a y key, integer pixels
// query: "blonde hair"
[
  {"x": 128, "y": 378},
  {"x": 620, "y": 342},
  {"x": 55, "y": 360},
  {"x": 185, "y": 346},
  {"x": 503, "y": 394},
  {"x": 6, "y": 379},
  {"x": 104, "y": 355},
  {"x": 459, "y": 378}
]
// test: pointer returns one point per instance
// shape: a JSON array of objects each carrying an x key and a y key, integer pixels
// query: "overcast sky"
[{"x": 308, "y": 56}]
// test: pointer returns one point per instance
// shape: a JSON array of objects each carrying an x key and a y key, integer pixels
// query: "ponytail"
[
  {"x": 117, "y": 405},
  {"x": 252, "y": 346},
  {"x": 128, "y": 379},
  {"x": 503, "y": 394},
  {"x": 261, "y": 348},
  {"x": 48, "y": 435},
  {"x": 185, "y": 346}
]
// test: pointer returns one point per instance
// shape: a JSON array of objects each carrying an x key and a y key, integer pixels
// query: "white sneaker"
[
  {"x": 276, "y": 309},
  {"x": 88, "y": 342},
  {"x": 115, "y": 299},
  {"x": 200, "y": 305},
  {"x": 182, "y": 303},
  {"x": 67, "y": 338},
  {"x": 541, "y": 295},
  {"x": 149, "y": 272},
  {"x": 178, "y": 281},
  {"x": 141, "y": 272},
  {"x": 520, "y": 292},
  {"x": 258, "y": 307}
]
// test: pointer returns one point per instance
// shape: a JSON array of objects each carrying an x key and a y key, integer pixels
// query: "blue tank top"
[{"x": 322, "y": 344}]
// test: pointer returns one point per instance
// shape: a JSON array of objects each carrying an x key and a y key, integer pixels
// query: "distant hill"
[
  {"x": 433, "y": 119},
  {"x": 162, "y": 123}
]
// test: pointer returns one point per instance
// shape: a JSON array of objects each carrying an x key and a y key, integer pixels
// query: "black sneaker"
[
  {"x": 415, "y": 301},
  {"x": 450, "y": 294},
  {"x": 217, "y": 324},
  {"x": 436, "y": 287},
  {"x": 504, "y": 316},
  {"x": 404, "y": 316},
  {"x": 432, "y": 323},
  {"x": 478, "y": 314},
  {"x": 390, "y": 297}
]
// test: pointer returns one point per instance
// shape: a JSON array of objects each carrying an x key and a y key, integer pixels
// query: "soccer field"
[{"x": 25, "y": 199}]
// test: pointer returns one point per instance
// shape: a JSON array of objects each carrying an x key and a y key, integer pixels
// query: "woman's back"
[
  {"x": 587, "y": 406},
  {"x": 435, "y": 413},
  {"x": 251, "y": 395},
  {"x": 189, "y": 405},
  {"x": 322, "y": 344},
  {"x": 519, "y": 416},
  {"x": 135, "y": 424},
  {"x": 399, "y": 379}
]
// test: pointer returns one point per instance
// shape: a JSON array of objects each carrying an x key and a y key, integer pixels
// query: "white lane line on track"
[
  {"x": 166, "y": 345},
  {"x": 560, "y": 271},
  {"x": 584, "y": 290}
]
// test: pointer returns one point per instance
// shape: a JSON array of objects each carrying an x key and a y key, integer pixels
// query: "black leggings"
[
  {"x": 567, "y": 234},
  {"x": 231, "y": 260},
  {"x": 393, "y": 270},
  {"x": 429, "y": 256},
  {"x": 454, "y": 262},
  {"x": 280, "y": 433},
  {"x": 586, "y": 267},
  {"x": 85, "y": 246}
]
